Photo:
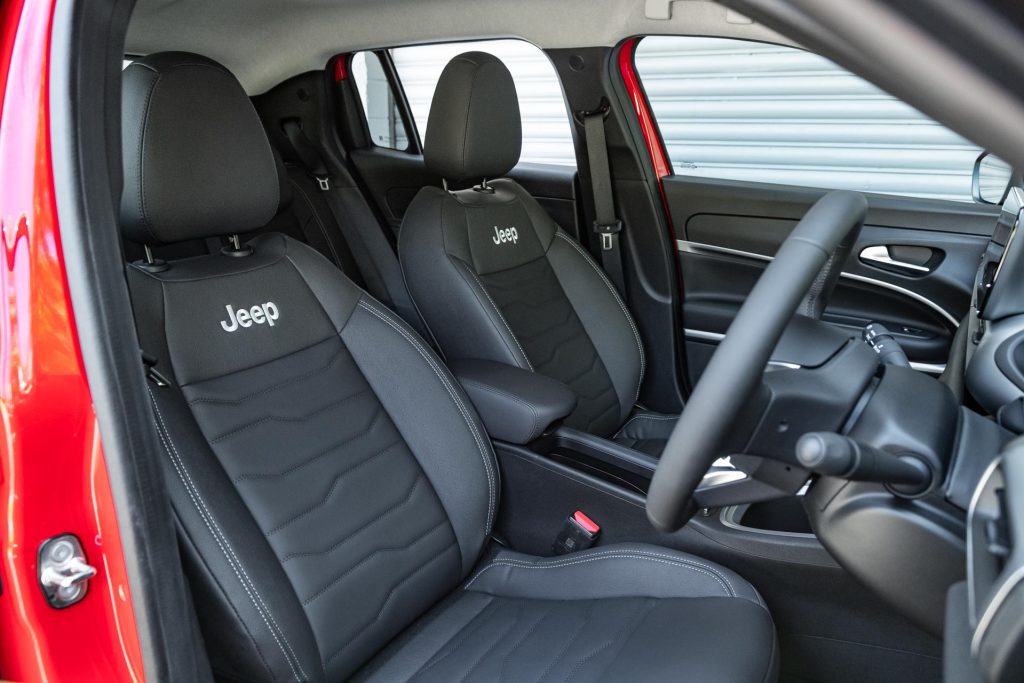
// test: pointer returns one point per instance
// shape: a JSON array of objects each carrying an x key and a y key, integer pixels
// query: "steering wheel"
[{"x": 802, "y": 275}]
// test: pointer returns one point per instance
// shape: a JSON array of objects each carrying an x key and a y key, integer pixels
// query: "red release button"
[{"x": 588, "y": 524}]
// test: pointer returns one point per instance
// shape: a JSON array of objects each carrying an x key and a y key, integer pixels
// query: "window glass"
[
  {"x": 546, "y": 135},
  {"x": 382, "y": 114},
  {"x": 742, "y": 110}
]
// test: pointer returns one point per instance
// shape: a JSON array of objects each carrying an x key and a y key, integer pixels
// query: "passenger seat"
[{"x": 496, "y": 278}]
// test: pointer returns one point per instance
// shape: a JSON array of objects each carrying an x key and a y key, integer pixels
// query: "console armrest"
[{"x": 516, "y": 405}]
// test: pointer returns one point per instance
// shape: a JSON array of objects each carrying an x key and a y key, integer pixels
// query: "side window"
[
  {"x": 382, "y": 115},
  {"x": 547, "y": 138},
  {"x": 741, "y": 110}
]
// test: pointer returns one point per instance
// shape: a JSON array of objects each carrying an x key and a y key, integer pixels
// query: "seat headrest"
[
  {"x": 474, "y": 130},
  {"x": 197, "y": 162}
]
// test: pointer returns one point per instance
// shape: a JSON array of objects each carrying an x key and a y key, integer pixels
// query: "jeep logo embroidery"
[
  {"x": 506, "y": 235},
  {"x": 264, "y": 314}
]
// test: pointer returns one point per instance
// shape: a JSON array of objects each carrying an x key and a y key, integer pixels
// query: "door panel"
[
  {"x": 728, "y": 230},
  {"x": 394, "y": 177}
]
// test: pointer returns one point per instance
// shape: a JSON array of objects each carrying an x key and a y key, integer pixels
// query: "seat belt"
[
  {"x": 374, "y": 255},
  {"x": 605, "y": 224},
  {"x": 369, "y": 264},
  {"x": 310, "y": 158}
]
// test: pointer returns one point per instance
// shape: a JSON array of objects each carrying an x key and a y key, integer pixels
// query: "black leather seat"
[
  {"x": 332, "y": 485},
  {"x": 495, "y": 278}
]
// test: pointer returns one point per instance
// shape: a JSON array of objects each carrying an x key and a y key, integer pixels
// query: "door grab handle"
[{"x": 880, "y": 255}]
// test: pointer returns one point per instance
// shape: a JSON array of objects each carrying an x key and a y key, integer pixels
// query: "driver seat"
[
  {"x": 333, "y": 488},
  {"x": 496, "y": 279}
]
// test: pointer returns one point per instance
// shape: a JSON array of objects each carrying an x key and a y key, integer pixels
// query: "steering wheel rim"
[{"x": 736, "y": 367}]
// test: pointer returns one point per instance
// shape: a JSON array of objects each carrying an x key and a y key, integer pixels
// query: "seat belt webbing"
[
  {"x": 310, "y": 158},
  {"x": 605, "y": 224},
  {"x": 374, "y": 256},
  {"x": 369, "y": 264}
]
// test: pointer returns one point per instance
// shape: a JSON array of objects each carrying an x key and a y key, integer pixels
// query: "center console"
[{"x": 984, "y": 638}]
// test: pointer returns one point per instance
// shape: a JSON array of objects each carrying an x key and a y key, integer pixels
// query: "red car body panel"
[
  {"x": 652, "y": 137},
  {"x": 53, "y": 476}
]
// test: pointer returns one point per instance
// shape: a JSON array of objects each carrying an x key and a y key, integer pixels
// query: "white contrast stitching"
[
  {"x": 723, "y": 580},
  {"x": 458, "y": 403},
  {"x": 224, "y": 545},
  {"x": 521, "y": 565},
  {"x": 501, "y": 318},
  {"x": 618, "y": 300}
]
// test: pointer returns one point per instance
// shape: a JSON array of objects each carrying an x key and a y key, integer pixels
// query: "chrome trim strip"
[
  {"x": 701, "y": 334},
  {"x": 994, "y": 605},
  {"x": 905, "y": 292},
  {"x": 701, "y": 248},
  {"x": 930, "y": 368},
  {"x": 1008, "y": 584},
  {"x": 688, "y": 247}
]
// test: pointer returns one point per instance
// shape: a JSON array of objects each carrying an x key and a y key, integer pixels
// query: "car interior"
[{"x": 415, "y": 405}]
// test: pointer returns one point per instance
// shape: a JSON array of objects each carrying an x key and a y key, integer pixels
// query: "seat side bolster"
[
  {"x": 604, "y": 316},
  {"x": 446, "y": 290},
  {"x": 336, "y": 293},
  {"x": 434, "y": 417},
  {"x": 614, "y": 571},
  {"x": 241, "y": 592}
]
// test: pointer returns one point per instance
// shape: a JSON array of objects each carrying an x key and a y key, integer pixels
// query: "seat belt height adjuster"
[{"x": 607, "y": 231}]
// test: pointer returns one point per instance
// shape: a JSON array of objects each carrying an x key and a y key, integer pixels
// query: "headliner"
[{"x": 264, "y": 42}]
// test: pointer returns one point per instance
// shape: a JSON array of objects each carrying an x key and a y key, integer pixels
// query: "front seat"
[
  {"x": 495, "y": 278},
  {"x": 333, "y": 488}
]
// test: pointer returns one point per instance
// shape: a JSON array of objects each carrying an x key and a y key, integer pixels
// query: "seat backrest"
[
  {"x": 329, "y": 479},
  {"x": 492, "y": 274}
]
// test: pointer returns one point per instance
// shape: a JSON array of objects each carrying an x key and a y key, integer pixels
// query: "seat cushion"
[
  {"x": 646, "y": 431},
  {"x": 623, "y": 612}
]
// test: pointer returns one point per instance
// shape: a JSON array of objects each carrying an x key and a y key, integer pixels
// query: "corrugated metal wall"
[
  {"x": 767, "y": 113},
  {"x": 740, "y": 110}
]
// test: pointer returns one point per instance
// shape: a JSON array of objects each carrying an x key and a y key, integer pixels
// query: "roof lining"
[{"x": 248, "y": 36}]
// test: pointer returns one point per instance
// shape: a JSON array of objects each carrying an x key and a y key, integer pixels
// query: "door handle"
[{"x": 879, "y": 255}]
